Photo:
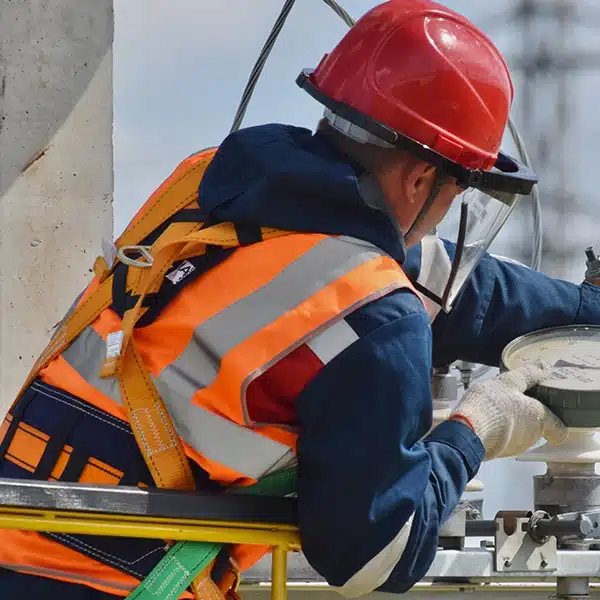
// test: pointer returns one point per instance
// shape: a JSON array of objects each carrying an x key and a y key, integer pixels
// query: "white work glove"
[{"x": 506, "y": 420}]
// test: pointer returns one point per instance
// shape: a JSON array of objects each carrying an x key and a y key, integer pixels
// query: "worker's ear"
[
  {"x": 418, "y": 178},
  {"x": 407, "y": 181}
]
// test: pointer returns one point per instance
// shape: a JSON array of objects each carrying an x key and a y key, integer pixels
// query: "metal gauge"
[{"x": 573, "y": 389}]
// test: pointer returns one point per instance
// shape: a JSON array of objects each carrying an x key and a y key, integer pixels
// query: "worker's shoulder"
[{"x": 401, "y": 307}]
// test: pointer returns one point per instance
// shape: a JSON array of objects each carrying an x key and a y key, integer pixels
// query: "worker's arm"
[
  {"x": 372, "y": 496},
  {"x": 500, "y": 302}
]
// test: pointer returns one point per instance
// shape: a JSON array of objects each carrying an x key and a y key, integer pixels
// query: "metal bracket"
[{"x": 516, "y": 551}]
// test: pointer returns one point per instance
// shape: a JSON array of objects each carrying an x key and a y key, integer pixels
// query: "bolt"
[
  {"x": 507, "y": 563},
  {"x": 543, "y": 564},
  {"x": 590, "y": 254}
]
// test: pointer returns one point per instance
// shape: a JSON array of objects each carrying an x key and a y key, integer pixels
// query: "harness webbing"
[{"x": 152, "y": 426}]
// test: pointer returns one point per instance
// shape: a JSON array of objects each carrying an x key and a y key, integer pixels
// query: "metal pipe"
[
  {"x": 480, "y": 528},
  {"x": 572, "y": 588},
  {"x": 575, "y": 528},
  {"x": 279, "y": 573},
  {"x": 578, "y": 528},
  {"x": 147, "y": 527}
]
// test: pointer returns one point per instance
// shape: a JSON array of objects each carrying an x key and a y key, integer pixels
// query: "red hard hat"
[{"x": 425, "y": 72}]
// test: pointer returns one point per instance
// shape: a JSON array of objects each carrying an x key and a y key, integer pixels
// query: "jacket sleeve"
[
  {"x": 501, "y": 301},
  {"x": 372, "y": 493}
]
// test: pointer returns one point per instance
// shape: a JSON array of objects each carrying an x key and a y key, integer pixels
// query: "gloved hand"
[{"x": 506, "y": 420}]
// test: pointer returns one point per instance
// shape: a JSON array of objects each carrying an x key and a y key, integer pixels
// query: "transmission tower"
[{"x": 546, "y": 63}]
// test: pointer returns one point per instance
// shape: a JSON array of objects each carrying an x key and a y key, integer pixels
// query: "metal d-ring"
[{"x": 136, "y": 262}]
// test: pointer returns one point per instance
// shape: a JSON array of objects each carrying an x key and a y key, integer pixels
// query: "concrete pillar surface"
[{"x": 56, "y": 176}]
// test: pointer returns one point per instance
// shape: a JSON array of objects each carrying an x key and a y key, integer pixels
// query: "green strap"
[
  {"x": 282, "y": 483},
  {"x": 178, "y": 568},
  {"x": 175, "y": 571}
]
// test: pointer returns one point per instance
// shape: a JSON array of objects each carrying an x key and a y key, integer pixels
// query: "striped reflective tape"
[
  {"x": 198, "y": 365},
  {"x": 215, "y": 437},
  {"x": 333, "y": 341}
]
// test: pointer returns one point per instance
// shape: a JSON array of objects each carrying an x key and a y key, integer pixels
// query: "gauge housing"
[{"x": 572, "y": 392}]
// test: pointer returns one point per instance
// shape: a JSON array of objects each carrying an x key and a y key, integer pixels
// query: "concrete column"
[{"x": 56, "y": 175}]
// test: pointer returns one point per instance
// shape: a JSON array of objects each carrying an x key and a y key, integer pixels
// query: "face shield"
[
  {"x": 481, "y": 215},
  {"x": 473, "y": 223}
]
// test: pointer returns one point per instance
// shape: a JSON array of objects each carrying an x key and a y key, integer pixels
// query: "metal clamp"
[
  {"x": 517, "y": 551},
  {"x": 136, "y": 262}
]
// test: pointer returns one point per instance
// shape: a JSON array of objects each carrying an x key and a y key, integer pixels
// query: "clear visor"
[
  {"x": 473, "y": 222},
  {"x": 481, "y": 215}
]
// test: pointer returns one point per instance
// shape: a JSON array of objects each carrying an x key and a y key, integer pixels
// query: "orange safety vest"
[{"x": 201, "y": 352}]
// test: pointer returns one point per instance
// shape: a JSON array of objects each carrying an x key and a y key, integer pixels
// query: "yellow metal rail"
[{"x": 281, "y": 538}]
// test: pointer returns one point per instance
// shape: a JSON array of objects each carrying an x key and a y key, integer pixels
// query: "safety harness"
[{"x": 165, "y": 237}]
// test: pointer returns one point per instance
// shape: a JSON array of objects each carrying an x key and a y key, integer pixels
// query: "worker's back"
[{"x": 230, "y": 340}]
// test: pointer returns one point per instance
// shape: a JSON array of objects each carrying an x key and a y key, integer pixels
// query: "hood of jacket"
[{"x": 289, "y": 178}]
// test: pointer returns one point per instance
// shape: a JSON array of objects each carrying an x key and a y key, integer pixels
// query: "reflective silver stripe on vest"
[
  {"x": 333, "y": 341},
  {"x": 215, "y": 437},
  {"x": 222, "y": 440},
  {"x": 86, "y": 355},
  {"x": 199, "y": 364}
]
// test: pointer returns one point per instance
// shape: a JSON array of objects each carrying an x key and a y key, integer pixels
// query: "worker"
[{"x": 311, "y": 339}]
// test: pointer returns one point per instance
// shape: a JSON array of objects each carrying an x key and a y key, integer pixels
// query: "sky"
[
  {"x": 181, "y": 67},
  {"x": 180, "y": 70}
]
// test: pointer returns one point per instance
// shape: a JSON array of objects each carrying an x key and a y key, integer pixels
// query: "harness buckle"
[{"x": 136, "y": 262}]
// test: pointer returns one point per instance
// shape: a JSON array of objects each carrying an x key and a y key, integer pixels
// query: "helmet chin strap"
[
  {"x": 433, "y": 192},
  {"x": 438, "y": 183},
  {"x": 442, "y": 300}
]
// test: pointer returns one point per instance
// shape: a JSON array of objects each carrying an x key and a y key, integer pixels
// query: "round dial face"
[{"x": 573, "y": 352}]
